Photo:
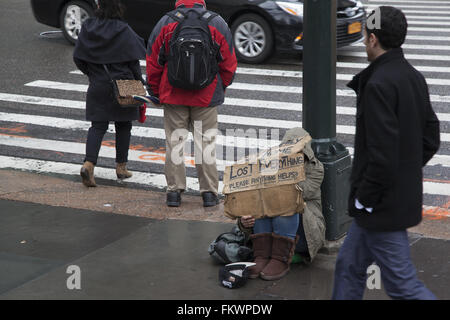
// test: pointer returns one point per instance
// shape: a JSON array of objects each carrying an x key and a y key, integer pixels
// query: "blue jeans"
[
  {"x": 283, "y": 226},
  {"x": 390, "y": 251}
]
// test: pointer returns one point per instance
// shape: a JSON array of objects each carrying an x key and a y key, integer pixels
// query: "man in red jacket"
[{"x": 186, "y": 109}]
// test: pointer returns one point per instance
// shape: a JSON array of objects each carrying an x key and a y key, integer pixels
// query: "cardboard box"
[{"x": 266, "y": 185}]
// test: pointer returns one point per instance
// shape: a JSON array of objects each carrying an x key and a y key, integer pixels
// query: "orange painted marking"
[
  {"x": 436, "y": 180},
  {"x": 437, "y": 213},
  {"x": 18, "y": 129}
]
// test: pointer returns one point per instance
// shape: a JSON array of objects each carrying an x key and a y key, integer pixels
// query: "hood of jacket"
[
  {"x": 106, "y": 41},
  {"x": 189, "y": 3}
]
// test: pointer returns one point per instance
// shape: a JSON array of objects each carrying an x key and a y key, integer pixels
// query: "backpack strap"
[
  {"x": 208, "y": 16},
  {"x": 176, "y": 15}
]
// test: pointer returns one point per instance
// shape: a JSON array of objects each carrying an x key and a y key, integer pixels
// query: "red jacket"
[{"x": 158, "y": 46}]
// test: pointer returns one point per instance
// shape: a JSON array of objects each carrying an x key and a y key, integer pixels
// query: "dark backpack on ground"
[
  {"x": 231, "y": 247},
  {"x": 193, "y": 56}
]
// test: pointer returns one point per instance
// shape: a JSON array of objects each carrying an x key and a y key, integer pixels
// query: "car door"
[{"x": 143, "y": 15}]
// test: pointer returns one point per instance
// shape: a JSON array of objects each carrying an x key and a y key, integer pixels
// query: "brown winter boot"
[
  {"x": 122, "y": 172},
  {"x": 282, "y": 252},
  {"x": 262, "y": 247},
  {"x": 87, "y": 174}
]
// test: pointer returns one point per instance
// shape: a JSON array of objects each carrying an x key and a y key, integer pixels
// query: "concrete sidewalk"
[{"x": 129, "y": 245}]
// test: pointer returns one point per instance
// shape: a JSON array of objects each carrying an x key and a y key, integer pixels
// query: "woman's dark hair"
[
  {"x": 391, "y": 29},
  {"x": 110, "y": 9}
]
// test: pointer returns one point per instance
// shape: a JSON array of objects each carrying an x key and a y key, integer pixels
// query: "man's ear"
[{"x": 373, "y": 40}]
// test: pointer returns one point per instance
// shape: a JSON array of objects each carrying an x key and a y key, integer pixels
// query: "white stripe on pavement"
[
  {"x": 41, "y": 166},
  {"x": 237, "y": 86},
  {"x": 400, "y": 6},
  {"x": 409, "y": 1},
  {"x": 250, "y": 103},
  {"x": 419, "y": 68},
  {"x": 142, "y": 178},
  {"x": 408, "y": 56},
  {"x": 230, "y": 140},
  {"x": 414, "y": 46},
  {"x": 105, "y": 151}
]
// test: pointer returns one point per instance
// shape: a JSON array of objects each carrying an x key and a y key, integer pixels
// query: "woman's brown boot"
[
  {"x": 262, "y": 247},
  {"x": 87, "y": 174},
  {"x": 122, "y": 172},
  {"x": 282, "y": 252}
]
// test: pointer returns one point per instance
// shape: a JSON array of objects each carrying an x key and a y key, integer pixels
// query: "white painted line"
[
  {"x": 427, "y": 23},
  {"x": 142, "y": 178},
  {"x": 397, "y": 2},
  {"x": 430, "y": 57},
  {"x": 442, "y": 189},
  {"x": 41, "y": 166},
  {"x": 419, "y": 68},
  {"x": 238, "y": 86},
  {"x": 251, "y": 142},
  {"x": 339, "y": 76},
  {"x": 401, "y": 6},
  {"x": 415, "y": 46},
  {"x": 105, "y": 151},
  {"x": 427, "y": 17},
  {"x": 428, "y": 12},
  {"x": 428, "y": 38},
  {"x": 257, "y": 104}
]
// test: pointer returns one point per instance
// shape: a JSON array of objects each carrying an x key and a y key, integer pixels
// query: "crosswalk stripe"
[
  {"x": 354, "y": 65},
  {"x": 415, "y": 46},
  {"x": 142, "y": 178},
  {"x": 105, "y": 151},
  {"x": 257, "y": 104},
  {"x": 236, "y": 86},
  {"x": 427, "y": 18},
  {"x": 427, "y": 12},
  {"x": 426, "y": 23},
  {"x": 339, "y": 76},
  {"x": 42, "y": 166},
  {"x": 408, "y": 56},
  {"x": 408, "y": 1},
  {"x": 138, "y": 131},
  {"x": 406, "y": 6},
  {"x": 428, "y": 38},
  {"x": 228, "y": 141}
]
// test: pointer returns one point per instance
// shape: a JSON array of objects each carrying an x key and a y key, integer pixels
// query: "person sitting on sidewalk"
[{"x": 274, "y": 239}]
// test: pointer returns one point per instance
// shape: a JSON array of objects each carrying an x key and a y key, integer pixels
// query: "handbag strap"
[
  {"x": 107, "y": 72},
  {"x": 112, "y": 80}
]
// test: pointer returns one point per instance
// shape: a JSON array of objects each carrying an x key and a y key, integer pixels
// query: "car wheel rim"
[
  {"x": 250, "y": 39},
  {"x": 73, "y": 19}
]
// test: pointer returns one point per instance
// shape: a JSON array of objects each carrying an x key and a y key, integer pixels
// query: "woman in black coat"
[{"x": 107, "y": 40}]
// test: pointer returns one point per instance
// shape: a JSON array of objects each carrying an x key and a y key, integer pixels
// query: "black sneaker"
[
  {"x": 210, "y": 199},
  {"x": 173, "y": 198}
]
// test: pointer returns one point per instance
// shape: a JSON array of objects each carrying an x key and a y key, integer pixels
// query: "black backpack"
[{"x": 193, "y": 56}]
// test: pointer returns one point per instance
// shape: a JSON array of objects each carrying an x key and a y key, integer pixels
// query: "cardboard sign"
[{"x": 277, "y": 166}]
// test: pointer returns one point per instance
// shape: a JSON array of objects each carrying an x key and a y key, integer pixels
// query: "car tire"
[
  {"x": 72, "y": 16},
  {"x": 260, "y": 46}
]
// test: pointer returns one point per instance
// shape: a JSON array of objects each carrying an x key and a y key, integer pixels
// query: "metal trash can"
[{"x": 335, "y": 192}]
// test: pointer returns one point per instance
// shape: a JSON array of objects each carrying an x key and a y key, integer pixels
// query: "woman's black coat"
[
  {"x": 397, "y": 133},
  {"x": 114, "y": 43}
]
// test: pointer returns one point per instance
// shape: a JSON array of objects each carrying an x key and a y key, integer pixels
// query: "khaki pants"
[{"x": 202, "y": 122}]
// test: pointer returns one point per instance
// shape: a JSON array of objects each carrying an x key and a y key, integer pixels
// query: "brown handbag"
[{"x": 124, "y": 90}]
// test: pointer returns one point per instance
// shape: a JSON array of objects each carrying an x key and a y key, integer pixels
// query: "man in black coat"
[{"x": 397, "y": 133}]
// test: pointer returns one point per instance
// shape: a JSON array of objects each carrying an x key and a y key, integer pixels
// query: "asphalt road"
[{"x": 39, "y": 121}]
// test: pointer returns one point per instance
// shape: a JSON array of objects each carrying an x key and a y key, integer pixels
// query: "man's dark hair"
[
  {"x": 393, "y": 27},
  {"x": 110, "y": 9}
]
